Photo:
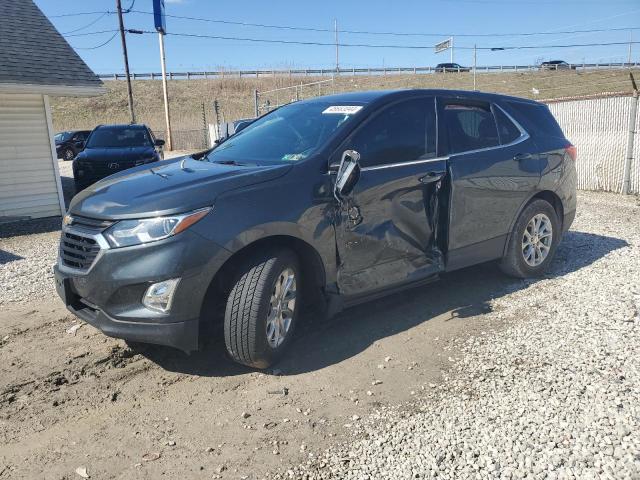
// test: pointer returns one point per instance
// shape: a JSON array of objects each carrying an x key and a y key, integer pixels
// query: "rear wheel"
[
  {"x": 533, "y": 241},
  {"x": 262, "y": 308}
]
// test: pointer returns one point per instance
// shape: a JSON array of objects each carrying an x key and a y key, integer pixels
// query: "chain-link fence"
[
  {"x": 267, "y": 100},
  {"x": 607, "y": 146}
]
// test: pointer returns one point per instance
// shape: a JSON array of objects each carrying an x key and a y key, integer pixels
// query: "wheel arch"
[
  {"x": 550, "y": 197},
  {"x": 311, "y": 264}
]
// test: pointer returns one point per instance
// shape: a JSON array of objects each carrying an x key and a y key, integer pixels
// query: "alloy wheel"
[
  {"x": 281, "y": 307},
  {"x": 537, "y": 240}
]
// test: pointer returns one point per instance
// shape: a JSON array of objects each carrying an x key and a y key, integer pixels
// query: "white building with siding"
[{"x": 35, "y": 62}]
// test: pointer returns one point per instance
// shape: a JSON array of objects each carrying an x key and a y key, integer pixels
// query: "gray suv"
[{"x": 327, "y": 202}]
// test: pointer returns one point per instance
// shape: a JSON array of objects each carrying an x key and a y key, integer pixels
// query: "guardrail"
[{"x": 356, "y": 71}]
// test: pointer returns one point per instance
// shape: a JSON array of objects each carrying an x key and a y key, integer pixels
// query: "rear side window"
[
  {"x": 470, "y": 127},
  {"x": 506, "y": 129},
  {"x": 536, "y": 119},
  {"x": 403, "y": 132}
]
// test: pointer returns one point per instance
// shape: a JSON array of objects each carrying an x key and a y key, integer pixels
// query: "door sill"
[{"x": 350, "y": 301}]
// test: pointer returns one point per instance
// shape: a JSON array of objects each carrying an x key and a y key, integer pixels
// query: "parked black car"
[
  {"x": 451, "y": 67},
  {"x": 68, "y": 144},
  {"x": 556, "y": 65},
  {"x": 112, "y": 148},
  {"x": 329, "y": 201}
]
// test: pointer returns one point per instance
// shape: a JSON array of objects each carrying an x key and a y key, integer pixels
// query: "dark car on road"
[
  {"x": 326, "y": 202},
  {"x": 112, "y": 148},
  {"x": 451, "y": 67},
  {"x": 69, "y": 144},
  {"x": 556, "y": 65}
]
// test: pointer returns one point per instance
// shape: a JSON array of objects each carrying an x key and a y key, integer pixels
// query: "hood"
[
  {"x": 168, "y": 187},
  {"x": 116, "y": 154}
]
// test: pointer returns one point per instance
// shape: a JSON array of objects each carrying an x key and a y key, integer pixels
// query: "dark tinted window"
[
  {"x": 107, "y": 137},
  {"x": 469, "y": 127},
  {"x": 402, "y": 132},
  {"x": 536, "y": 119},
  {"x": 506, "y": 129}
]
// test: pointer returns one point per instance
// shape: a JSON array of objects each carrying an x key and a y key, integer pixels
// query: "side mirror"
[
  {"x": 348, "y": 174},
  {"x": 159, "y": 142},
  {"x": 80, "y": 145}
]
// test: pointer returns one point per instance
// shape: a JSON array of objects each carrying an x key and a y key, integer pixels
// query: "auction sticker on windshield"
[{"x": 343, "y": 109}]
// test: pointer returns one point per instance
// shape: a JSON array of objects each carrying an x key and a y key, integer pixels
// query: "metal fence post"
[
  {"x": 205, "y": 129},
  {"x": 255, "y": 103},
  {"x": 626, "y": 178}
]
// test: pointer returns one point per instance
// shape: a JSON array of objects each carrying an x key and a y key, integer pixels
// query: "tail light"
[{"x": 572, "y": 151}]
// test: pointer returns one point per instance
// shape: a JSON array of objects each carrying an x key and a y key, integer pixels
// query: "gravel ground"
[{"x": 554, "y": 395}]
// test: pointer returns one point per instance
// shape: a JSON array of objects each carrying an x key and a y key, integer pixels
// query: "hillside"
[{"x": 235, "y": 95}]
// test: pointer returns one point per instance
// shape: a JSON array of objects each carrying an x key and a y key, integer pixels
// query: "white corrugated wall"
[
  {"x": 599, "y": 128},
  {"x": 28, "y": 179}
]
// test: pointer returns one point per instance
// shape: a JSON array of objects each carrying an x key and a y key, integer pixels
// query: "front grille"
[
  {"x": 104, "y": 168},
  {"x": 78, "y": 251},
  {"x": 91, "y": 223},
  {"x": 79, "y": 246}
]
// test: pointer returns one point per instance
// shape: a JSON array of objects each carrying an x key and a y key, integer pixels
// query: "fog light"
[{"x": 159, "y": 296}]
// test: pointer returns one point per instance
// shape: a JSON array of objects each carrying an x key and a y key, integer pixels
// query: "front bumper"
[{"x": 109, "y": 294}]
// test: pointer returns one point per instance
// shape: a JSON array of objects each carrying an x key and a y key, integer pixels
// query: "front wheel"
[
  {"x": 68, "y": 154},
  {"x": 533, "y": 241},
  {"x": 262, "y": 308}
]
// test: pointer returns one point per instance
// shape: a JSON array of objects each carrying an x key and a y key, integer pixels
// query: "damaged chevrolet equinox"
[{"x": 327, "y": 202}]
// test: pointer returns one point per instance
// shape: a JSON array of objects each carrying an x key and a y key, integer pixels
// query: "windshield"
[
  {"x": 289, "y": 134},
  {"x": 108, "y": 137},
  {"x": 62, "y": 137}
]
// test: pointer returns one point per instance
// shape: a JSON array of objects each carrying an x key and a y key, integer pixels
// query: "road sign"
[
  {"x": 158, "y": 16},
  {"x": 442, "y": 46}
]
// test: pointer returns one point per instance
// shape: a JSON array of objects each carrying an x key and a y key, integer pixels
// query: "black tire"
[
  {"x": 68, "y": 154},
  {"x": 514, "y": 263},
  {"x": 79, "y": 186},
  {"x": 249, "y": 304}
]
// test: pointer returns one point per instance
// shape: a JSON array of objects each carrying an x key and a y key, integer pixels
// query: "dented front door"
[{"x": 387, "y": 230}]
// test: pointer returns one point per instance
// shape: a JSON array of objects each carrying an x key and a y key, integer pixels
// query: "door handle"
[
  {"x": 431, "y": 177},
  {"x": 521, "y": 157}
]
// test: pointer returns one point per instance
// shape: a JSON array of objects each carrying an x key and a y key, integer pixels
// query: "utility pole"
[
  {"x": 335, "y": 27},
  {"x": 164, "y": 90},
  {"x": 451, "y": 49},
  {"x": 630, "y": 43},
  {"x": 474, "y": 65},
  {"x": 126, "y": 60}
]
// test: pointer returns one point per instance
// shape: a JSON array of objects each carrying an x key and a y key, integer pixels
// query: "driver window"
[{"x": 403, "y": 132}]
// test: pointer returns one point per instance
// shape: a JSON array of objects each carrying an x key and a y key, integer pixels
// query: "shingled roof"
[{"x": 33, "y": 52}]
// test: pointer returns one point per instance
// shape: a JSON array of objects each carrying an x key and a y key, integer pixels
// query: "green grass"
[{"x": 235, "y": 95}]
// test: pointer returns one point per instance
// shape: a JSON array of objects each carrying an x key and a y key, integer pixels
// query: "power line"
[
  {"x": 370, "y": 45},
  {"x": 88, "y": 24},
  {"x": 403, "y": 34},
  {"x": 78, "y": 14},
  {"x": 98, "y": 46},
  {"x": 93, "y": 33}
]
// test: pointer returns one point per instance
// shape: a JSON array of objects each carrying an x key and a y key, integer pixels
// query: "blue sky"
[{"x": 428, "y": 16}]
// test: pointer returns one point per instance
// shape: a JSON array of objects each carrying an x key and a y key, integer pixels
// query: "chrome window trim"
[
  {"x": 98, "y": 237},
  {"x": 524, "y": 135},
  {"x": 402, "y": 164}
]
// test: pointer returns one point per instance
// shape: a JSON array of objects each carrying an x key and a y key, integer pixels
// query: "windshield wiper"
[{"x": 230, "y": 162}]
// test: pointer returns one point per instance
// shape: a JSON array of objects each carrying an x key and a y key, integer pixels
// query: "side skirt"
[{"x": 336, "y": 302}]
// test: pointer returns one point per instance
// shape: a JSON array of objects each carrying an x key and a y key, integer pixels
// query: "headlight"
[{"x": 134, "y": 232}]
